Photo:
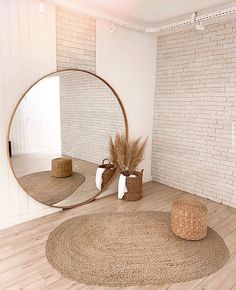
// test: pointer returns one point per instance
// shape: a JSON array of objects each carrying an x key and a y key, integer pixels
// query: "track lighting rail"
[
  {"x": 197, "y": 19},
  {"x": 114, "y": 21}
]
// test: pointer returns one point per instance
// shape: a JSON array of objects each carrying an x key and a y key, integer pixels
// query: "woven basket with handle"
[
  {"x": 134, "y": 186},
  {"x": 108, "y": 172}
]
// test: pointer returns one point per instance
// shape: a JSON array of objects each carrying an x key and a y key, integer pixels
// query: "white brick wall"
[
  {"x": 76, "y": 40},
  {"x": 90, "y": 114},
  {"x": 195, "y": 107}
]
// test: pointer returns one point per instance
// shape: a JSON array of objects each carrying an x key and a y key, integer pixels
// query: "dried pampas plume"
[{"x": 126, "y": 155}]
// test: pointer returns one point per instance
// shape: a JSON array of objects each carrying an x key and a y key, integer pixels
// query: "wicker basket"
[
  {"x": 108, "y": 172},
  {"x": 189, "y": 219},
  {"x": 61, "y": 167},
  {"x": 134, "y": 186}
]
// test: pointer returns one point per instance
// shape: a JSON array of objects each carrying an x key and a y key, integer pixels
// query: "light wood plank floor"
[{"x": 23, "y": 264}]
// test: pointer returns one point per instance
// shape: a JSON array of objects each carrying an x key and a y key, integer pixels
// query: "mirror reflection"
[{"x": 59, "y": 137}]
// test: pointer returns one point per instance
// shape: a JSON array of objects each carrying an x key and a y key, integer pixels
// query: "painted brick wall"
[
  {"x": 76, "y": 40},
  {"x": 90, "y": 114},
  {"x": 195, "y": 112}
]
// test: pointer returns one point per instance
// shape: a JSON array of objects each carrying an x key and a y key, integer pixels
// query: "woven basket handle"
[{"x": 103, "y": 161}]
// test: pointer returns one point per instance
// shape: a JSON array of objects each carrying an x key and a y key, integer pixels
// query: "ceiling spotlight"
[
  {"x": 113, "y": 28},
  {"x": 193, "y": 17},
  {"x": 200, "y": 26}
]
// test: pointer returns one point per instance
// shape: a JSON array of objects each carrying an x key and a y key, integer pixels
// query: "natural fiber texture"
[
  {"x": 134, "y": 186},
  {"x": 108, "y": 173},
  {"x": 50, "y": 190},
  {"x": 189, "y": 219},
  {"x": 134, "y": 248},
  {"x": 126, "y": 154},
  {"x": 61, "y": 167}
]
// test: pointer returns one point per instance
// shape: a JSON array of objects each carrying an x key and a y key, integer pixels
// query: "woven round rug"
[
  {"x": 49, "y": 190},
  {"x": 129, "y": 249}
]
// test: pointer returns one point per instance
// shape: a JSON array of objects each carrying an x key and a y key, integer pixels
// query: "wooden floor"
[{"x": 23, "y": 264}]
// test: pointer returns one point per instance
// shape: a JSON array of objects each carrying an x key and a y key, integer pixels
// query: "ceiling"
[{"x": 148, "y": 12}]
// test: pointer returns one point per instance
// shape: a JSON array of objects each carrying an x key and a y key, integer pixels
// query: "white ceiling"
[{"x": 148, "y": 12}]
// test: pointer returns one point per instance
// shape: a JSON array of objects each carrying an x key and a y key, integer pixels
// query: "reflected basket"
[{"x": 108, "y": 173}]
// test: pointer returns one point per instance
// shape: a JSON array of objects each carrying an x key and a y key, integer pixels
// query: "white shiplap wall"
[
  {"x": 27, "y": 52},
  {"x": 36, "y": 123}
]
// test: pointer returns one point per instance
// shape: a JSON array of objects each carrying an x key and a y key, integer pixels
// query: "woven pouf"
[
  {"x": 189, "y": 219},
  {"x": 61, "y": 167}
]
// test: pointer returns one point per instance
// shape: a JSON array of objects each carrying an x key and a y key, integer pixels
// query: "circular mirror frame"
[{"x": 106, "y": 187}]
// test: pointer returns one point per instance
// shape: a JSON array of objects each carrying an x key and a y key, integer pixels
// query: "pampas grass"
[{"x": 126, "y": 155}]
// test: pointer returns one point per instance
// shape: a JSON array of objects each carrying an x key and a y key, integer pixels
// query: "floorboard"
[{"x": 23, "y": 264}]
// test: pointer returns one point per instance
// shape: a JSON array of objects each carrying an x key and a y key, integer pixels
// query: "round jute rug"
[
  {"x": 128, "y": 249},
  {"x": 49, "y": 190}
]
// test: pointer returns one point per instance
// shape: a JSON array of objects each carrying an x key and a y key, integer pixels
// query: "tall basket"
[
  {"x": 108, "y": 173},
  {"x": 134, "y": 186}
]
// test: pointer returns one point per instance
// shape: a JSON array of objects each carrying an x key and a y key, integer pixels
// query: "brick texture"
[
  {"x": 195, "y": 112},
  {"x": 90, "y": 114},
  {"x": 76, "y": 40}
]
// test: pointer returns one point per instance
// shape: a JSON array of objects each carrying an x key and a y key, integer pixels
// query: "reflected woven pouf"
[
  {"x": 61, "y": 167},
  {"x": 189, "y": 219}
]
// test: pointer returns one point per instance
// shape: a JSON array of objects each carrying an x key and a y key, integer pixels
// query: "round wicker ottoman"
[
  {"x": 61, "y": 167},
  {"x": 189, "y": 219}
]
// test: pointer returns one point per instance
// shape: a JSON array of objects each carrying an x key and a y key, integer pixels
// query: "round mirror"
[{"x": 59, "y": 136}]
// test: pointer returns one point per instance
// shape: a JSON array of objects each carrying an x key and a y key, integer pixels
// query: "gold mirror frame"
[{"x": 125, "y": 121}]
